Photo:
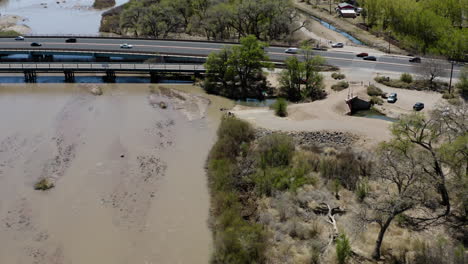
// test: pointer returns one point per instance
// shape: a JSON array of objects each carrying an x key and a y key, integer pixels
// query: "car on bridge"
[
  {"x": 36, "y": 44},
  {"x": 362, "y": 54},
  {"x": 291, "y": 50},
  {"x": 370, "y": 58},
  {"x": 19, "y": 38},
  {"x": 415, "y": 59},
  {"x": 70, "y": 40},
  {"x": 338, "y": 45},
  {"x": 126, "y": 46}
]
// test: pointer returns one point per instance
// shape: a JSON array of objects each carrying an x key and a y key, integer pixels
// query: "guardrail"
[{"x": 101, "y": 67}]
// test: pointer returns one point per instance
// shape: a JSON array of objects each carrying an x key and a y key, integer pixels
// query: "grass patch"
[
  {"x": 101, "y": 4},
  {"x": 9, "y": 33},
  {"x": 340, "y": 86},
  {"x": 374, "y": 100}
]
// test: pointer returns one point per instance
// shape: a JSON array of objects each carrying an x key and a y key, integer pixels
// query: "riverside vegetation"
[
  {"x": 265, "y": 19},
  {"x": 426, "y": 26},
  {"x": 277, "y": 201}
]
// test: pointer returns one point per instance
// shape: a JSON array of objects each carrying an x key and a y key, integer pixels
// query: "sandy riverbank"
[
  {"x": 129, "y": 176},
  {"x": 15, "y": 23},
  {"x": 330, "y": 114}
]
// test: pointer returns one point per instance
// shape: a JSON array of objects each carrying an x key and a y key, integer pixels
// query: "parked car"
[
  {"x": 392, "y": 98},
  {"x": 126, "y": 46},
  {"x": 338, "y": 45},
  {"x": 418, "y": 106},
  {"x": 19, "y": 38},
  {"x": 36, "y": 44},
  {"x": 70, "y": 40},
  {"x": 415, "y": 59},
  {"x": 362, "y": 54},
  {"x": 291, "y": 50},
  {"x": 370, "y": 58}
]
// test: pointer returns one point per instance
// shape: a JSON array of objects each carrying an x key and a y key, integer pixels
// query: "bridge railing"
[{"x": 101, "y": 66}]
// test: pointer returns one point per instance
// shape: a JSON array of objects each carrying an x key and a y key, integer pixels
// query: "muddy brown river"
[{"x": 130, "y": 185}]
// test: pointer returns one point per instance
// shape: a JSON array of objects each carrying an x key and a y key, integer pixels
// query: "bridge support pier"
[
  {"x": 30, "y": 76},
  {"x": 110, "y": 76},
  {"x": 69, "y": 76},
  {"x": 154, "y": 77}
]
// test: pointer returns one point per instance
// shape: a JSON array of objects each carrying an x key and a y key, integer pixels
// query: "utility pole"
[
  {"x": 451, "y": 74},
  {"x": 329, "y": 10},
  {"x": 389, "y": 41}
]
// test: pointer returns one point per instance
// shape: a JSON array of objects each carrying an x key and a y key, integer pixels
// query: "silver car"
[{"x": 392, "y": 98}]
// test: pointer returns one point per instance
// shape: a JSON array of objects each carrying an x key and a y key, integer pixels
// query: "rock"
[
  {"x": 96, "y": 90},
  {"x": 163, "y": 105}
]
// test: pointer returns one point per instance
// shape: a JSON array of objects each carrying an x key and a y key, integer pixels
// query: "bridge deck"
[{"x": 101, "y": 67}]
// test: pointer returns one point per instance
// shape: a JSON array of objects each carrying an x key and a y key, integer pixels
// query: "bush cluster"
[
  {"x": 338, "y": 76},
  {"x": 340, "y": 86},
  {"x": 280, "y": 166},
  {"x": 373, "y": 90},
  {"x": 236, "y": 239}
]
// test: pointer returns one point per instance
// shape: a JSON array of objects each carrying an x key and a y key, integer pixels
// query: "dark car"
[
  {"x": 418, "y": 106},
  {"x": 362, "y": 54},
  {"x": 371, "y": 58},
  {"x": 415, "y": 59},
  {"x": 70, "y": 40},
  {"x": 36, "y": 44}
]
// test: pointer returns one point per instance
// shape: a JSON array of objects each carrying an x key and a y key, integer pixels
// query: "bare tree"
[
  {"x": 404, "y": 188},
  {"x": 431, "y": 69}
]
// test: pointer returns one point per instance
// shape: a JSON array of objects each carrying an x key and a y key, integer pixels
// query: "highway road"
[{"x": 195, "y": 48}]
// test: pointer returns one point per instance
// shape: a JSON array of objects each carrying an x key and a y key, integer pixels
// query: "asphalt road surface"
[{"x": 334, "y": 56}]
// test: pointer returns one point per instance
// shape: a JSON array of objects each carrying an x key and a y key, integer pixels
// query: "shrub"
[
  {"x": 374, "y": 100},
  {"x": 338, "y": 76},
  {"x": 343, "y": 249},
  {"x": 344, "y": 167},
  {"x": 232, "y": 133},
  {"x": 382, "y": 79},
  {"x": 340, "y": 86},
  {"x": 280, "y": 107},
  {"x": 276, "y": 150},
  {"x": 462, "y": 84},
  {"x": 362, "y": 189},
  {"x": 406, "y": 77},
  {"x": 373, "y": 90},
  {"x": 43, "y": 184}
]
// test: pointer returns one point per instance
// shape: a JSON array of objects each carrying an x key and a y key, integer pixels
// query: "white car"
[
  {"x": 126, "y": 46},
  {"x": 19, "y": 38},
  {"x": 338, "y": 45},
  {"x": 291, "y": 50}
]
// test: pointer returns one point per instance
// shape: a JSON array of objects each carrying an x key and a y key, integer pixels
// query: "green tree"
[
  {"x": 313, "y": 80},
  {"x": 291, "y": 79}
]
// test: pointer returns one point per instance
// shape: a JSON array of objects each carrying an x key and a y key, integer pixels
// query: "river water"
[
  {"x": 56, "y": 16},
  {"x": 130, "y": 185}
]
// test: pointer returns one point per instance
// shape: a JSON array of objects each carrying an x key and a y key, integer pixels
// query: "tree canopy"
[{"x": 237, "y": 72}]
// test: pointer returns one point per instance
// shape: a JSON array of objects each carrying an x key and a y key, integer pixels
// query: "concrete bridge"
[{"x": 30, "y": 70}]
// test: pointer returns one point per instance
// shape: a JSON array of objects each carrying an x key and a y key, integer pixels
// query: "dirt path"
[
  {"x": 129, "y": 176},
  {"x": 341, "y": 23}
]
